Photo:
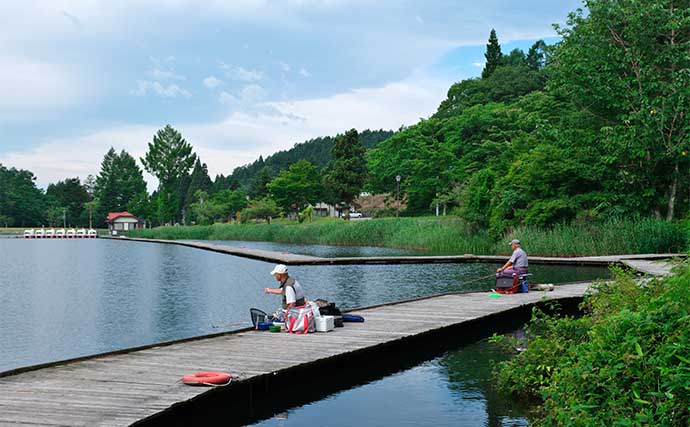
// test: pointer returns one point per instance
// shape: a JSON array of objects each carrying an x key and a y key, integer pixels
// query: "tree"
[
  {"x": 346, "y": 173},
  {"x": 626, "y": 63},
  {"x": 20, "y": 200},
  {"x": 71, "y": 195},
  {"x": 297, "y": 187},
  {"x": 536, "y": 56},
  {"x": 205, "y": 211},
  {"x": 169, "y": 158},
  {"x": 118, "y": 184},
  {"x": 265, "y": 208},
  {"x": 230, "y": 202},
  {"x": 198, "y": 180},
  {"x": 258, "y": 187},
  {"x": 493, "y": 55}
]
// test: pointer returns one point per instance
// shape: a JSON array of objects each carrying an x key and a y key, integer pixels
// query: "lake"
[{"x": 61, "y": 299}]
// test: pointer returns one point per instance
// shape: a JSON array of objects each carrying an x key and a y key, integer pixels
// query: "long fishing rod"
[{"x": 479, "y": 278}]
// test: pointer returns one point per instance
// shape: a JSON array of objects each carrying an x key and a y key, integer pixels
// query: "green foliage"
[
  {"x": 169, "y": 158},
  {"x": 317, "y": 151},
  {"x": 264, "y": 208},
  {"x": 119, "y": 185},
  {"x": 626, "y": 63},
  {"x": 297, "y": 187},
  {"x": 346, "y": 173},
  {"x": 493, "y": 55},
  {"x": 624, "y": 363},
  {"x": 452, "y": 236},
  {"x": 21, "y": 203},
  {"x": 613, "y": 236},
  {"x": 198, "y": 181},
  {"x": 71, "y": 195}
]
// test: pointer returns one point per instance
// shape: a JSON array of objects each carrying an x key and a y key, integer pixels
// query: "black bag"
[{"x": 330, "y": 310}]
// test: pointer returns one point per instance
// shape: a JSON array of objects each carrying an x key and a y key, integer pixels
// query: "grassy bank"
[
  {"x": 449, "y": 235},
  {"x": 624, "y": 363}
]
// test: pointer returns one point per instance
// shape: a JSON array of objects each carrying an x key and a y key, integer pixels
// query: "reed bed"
[{"x": 450, "y": 235}]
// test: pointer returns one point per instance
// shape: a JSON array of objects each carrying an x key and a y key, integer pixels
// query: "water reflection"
[{"x": 452, "y": 390}]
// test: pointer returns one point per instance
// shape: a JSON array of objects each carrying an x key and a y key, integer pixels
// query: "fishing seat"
[{"x": 512, "y": 283}]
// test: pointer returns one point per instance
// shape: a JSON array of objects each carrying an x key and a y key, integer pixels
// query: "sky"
[{"x": 238, "y": 78}]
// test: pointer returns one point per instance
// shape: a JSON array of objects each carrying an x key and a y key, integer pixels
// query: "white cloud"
[
  {"x": 246, "y": 99},
  {"x": 285, "y": 67},
  {"x": 304, "y": 73},
  {"x": 38, "y": 85},
  {"x": 226, "y": 98},
  {"x": 479, "y": 64},
  {"x": 169, "y": 91},
  {"x": 160, "y": 74},
  {"x": 211, "y": 82},
  {"x": 242, "y": 136},
  {"x": 242, "y": 74}
]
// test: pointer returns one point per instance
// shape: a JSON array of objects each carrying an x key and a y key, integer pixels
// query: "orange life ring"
[{"x": 207, "y": 378}]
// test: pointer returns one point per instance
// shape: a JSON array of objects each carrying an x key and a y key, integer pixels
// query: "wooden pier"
[
  {"x": 297, "y": 259},
  {"x": 142, "y": 385}
]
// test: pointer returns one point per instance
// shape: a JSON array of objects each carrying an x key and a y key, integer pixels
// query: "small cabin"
[{"x": 121, "y": 222}]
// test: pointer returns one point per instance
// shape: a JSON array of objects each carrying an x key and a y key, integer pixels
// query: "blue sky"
[{"x": 238, "y": 78}]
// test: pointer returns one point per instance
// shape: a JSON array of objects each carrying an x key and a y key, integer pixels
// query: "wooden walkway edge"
[
  {"x": 143, "y": 385},
  {"x": 296, "y": 259}
]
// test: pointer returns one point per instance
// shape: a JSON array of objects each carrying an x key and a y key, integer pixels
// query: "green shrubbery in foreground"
[
  {"x": 625, "y": 363},
  {"x": 450, "y": 235}
]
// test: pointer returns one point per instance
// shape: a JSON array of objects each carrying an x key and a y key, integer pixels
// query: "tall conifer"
[{"x": 493, "y": 55}]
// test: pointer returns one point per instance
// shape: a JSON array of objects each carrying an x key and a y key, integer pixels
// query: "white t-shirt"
[{"x": 290, "y": 295}]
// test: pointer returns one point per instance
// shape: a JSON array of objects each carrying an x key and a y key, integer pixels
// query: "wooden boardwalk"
[
  {"x": 296, "y": 259},
  {"x": 124, "y": 388}
]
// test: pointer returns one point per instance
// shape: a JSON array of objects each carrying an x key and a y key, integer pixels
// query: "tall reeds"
[{"x": 450, "y": 235}]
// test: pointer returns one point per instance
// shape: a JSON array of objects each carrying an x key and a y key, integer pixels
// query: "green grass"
[{"x": 449, "y": 235}]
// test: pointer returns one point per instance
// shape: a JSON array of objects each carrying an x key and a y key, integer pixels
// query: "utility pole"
[
  {"x": 64, "y": 217},
  {"x": 397, "y": 196}
]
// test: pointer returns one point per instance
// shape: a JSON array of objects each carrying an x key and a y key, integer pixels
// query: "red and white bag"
[{"x": 300, "y": 320}]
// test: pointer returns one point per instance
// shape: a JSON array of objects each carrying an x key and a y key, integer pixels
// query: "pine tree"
[
  {"x": 346, "y": 172},
  {"x": 493, "y": 55},
  {"x": 119, "y": 183}
]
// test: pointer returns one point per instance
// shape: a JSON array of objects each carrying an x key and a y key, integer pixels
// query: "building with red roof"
[{"x": 121, "y": 222}]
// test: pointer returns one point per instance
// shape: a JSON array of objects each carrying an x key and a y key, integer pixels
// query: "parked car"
[{"x": 355, "y": 214}]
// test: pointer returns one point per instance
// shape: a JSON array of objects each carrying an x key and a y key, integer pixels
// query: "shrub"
[{"x": 624, "y": 363}]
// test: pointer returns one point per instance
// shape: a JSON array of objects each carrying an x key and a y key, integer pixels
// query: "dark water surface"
[
  {"x": 66, "y": 298},
  {"x": 454, "y": 389}
]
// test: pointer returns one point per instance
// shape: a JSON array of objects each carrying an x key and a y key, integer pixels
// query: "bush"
[{"x": 624, "y": 363}]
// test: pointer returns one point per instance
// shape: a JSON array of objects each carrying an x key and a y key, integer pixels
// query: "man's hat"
[
  {"x": 279, "y": 269},
  {"x": 515, "y": 242}
]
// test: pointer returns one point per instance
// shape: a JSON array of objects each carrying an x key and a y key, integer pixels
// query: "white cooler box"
[{"x": 325, "y": 323}]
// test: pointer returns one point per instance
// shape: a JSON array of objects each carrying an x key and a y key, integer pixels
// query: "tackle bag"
[
  {"x": 355, "y": 318},
  {"x": 300, "y": 320}
]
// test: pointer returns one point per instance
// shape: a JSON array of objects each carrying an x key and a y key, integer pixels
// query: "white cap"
[
  {"x": 515, "y": 242},
  {"x": 279, "y": 269}
]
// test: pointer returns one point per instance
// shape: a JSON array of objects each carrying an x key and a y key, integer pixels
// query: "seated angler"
[{"x": 517, "y": 263}]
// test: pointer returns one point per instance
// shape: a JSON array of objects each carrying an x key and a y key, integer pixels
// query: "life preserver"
[{"x": 207, "y": 378}]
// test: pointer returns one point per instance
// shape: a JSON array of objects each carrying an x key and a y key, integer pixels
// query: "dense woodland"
[{"x": 595, "y": 126}]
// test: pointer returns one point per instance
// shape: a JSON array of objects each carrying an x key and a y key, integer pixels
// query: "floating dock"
[
  {"x": 296, "y": 259},
  {"x": 141, "y": 386}
]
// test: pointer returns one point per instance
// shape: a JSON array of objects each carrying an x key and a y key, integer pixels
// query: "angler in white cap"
[
  {"x": 517, "y": 262},
  {"x": 290, "y": 289}
]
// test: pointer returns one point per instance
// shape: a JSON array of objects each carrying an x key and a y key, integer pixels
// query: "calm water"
[
  {"x": 452, "y": 390},
  {"x": 325, "y": 251},
  {"x": 66, "y": 298}
]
